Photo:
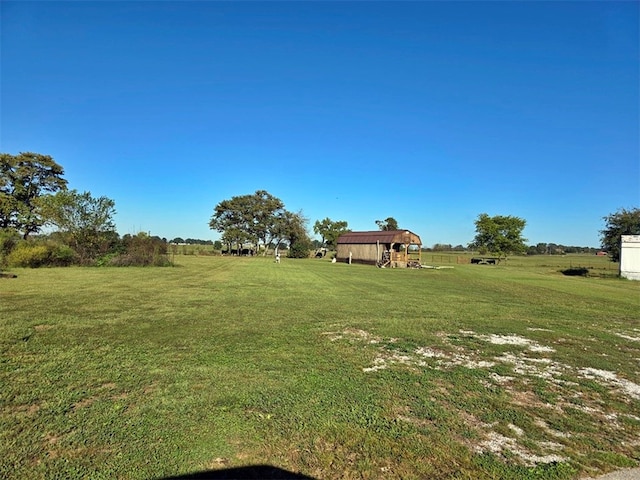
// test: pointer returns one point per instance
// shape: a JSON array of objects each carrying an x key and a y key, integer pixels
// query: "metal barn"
[{"x": 390, "y": 248}]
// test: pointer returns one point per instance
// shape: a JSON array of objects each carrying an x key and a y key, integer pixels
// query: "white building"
[{"x": 630, "y": 257}]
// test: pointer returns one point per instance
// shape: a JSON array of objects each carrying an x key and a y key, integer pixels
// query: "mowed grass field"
[{"x": 328, "y": 370}]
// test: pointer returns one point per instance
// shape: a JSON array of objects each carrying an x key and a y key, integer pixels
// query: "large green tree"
[
  {"x": 499, "y": 235},
  {"x": 330, "y": 230},
  {"x": 85, "y": 222},
  {"x": 24, "y": 178},
  {"x": 622, "y": 222},
  {"x": 253, "y": 218}
]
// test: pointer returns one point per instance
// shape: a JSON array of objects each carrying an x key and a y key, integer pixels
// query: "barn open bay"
[{"x": 329, "y": 370}]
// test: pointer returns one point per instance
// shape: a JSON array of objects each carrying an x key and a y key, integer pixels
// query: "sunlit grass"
[{"x": 313, "y": 367}]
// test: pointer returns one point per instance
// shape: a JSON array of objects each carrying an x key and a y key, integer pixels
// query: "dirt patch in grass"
[
  {"x": 612, "y": 379},
  {"x": 634, "y": 337},
  {"x": 537, "y": 386},
  {"x": 42, "y": 328},
  {"x": 84, "y": 403},
  {"x": 28, "y": 409},
  {"x": 499, "y": 444}
]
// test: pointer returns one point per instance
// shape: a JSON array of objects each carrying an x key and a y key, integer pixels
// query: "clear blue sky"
[{"x": 428, "y": 112}]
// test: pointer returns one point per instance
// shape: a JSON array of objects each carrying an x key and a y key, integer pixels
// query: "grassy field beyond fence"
[
  {"x": 329, "y": 370},
  {"x": 596, "y": 265}
]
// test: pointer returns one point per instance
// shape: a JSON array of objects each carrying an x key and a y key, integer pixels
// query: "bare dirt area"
[{"x": 552, "y": 423}]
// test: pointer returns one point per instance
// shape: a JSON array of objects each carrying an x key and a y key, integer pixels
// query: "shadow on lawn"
[{"x": 266, "y": 472}]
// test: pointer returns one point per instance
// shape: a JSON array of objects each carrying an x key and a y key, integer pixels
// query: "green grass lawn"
[{"x": 330, "y": 370}]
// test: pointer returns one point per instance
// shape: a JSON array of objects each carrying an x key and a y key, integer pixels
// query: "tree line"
[
  {"x": 538, "y": 249},
  {"x": 34, "y": 195},
  {"x": 191, "y": 241}
]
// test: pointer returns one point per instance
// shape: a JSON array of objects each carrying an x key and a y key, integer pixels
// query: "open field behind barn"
[{"x": 330, "y": 370}]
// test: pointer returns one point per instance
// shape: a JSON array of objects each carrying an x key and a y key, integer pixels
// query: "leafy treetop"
[
  {"x": 499, "y": 235},
  {"x": 388, "y": 224},
  {"x": 622, "y": 222},
  {"x": 23, "y": 179},
  {"x": 330, "y": 230}
]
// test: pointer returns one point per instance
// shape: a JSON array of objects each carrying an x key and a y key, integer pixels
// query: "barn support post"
[{"x": 393, "y": 255}]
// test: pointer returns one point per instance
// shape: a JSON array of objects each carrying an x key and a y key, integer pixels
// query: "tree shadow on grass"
[{"x": 266, "y": 472}]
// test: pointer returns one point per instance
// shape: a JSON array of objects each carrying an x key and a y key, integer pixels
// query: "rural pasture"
[{"x": 327, "y": 370}]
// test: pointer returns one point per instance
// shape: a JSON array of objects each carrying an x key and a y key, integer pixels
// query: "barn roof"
[{"x": 382, "y": 236}]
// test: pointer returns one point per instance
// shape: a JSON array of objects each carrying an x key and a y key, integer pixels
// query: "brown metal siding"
[
  {"x": 360, "y": 253},
  {"x": 367, "y": 247}
]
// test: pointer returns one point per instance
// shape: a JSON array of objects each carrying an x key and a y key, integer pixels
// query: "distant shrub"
[
  {"x": 8, "y": 241},
  {"x": 62, "y": 256},
  {"x": 300, "y": 249},
  {"x": 105, "y": 260},
  {"x": 137, "y": 260},
  {"x": 28, "y": 255},
  {"x": 141, "y": 250},
  {"x": 40, "y": 254}
]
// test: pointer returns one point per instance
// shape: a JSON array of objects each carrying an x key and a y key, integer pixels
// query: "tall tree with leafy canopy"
[
  {"x": 250, "y": 218},
  {"x": 330, "y": 230},
  {"x": 388, "y": 224},
  {"x": 622, "y": 222},
  {"x": 23, "y": 179},
  {"x": 499, "y": 235}
]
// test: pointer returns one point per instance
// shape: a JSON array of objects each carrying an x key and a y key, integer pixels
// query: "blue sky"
[{"x": 428, "y": 112}]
